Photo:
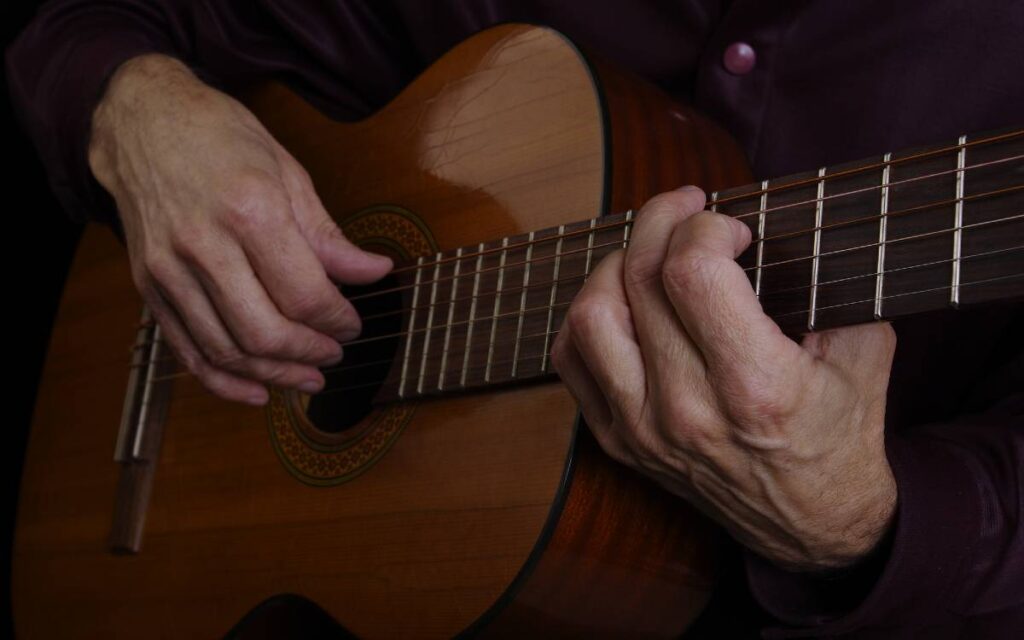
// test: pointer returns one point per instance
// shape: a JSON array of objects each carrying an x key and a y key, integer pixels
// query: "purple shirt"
[{"x": 807, "y": 85}]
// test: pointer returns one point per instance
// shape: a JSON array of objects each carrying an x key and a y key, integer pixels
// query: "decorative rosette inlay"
[{"x": 324, "y": 459}]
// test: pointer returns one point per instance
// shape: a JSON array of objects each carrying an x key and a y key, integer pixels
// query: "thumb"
[
  {"x": 864, "y": 351},
  {"x": 343, "y": 261}
]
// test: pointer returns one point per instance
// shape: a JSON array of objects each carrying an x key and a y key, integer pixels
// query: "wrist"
[
  {"x": 852, "y": 532},
  {"x": 132, "y": 93}
]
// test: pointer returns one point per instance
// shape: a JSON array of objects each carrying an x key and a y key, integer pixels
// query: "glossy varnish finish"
[{"x": 503, "y": 135}]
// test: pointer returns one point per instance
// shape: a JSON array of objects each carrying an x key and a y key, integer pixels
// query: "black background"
[{"x": 39, "y": 241}]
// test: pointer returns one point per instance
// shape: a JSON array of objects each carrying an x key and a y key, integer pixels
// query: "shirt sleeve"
[
  {"x": 347, "y": 58},
  {"x": 57, "y": 69},
  {"x": 954, "y": 558}
]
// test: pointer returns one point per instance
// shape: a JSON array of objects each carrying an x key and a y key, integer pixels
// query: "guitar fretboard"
[{"x": 877, "y": 239}]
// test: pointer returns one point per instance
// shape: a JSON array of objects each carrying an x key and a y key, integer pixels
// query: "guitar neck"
[{"x": 877, "y": 239}]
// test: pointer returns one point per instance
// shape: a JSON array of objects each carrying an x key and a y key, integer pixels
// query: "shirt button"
[{"x": 739, "y": 58}]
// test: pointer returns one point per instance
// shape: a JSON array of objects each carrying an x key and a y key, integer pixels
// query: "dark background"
[{"x": 40, "y": 240}]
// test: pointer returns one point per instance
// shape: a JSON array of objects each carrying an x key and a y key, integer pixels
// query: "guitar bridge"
[{"x": 140, "y": 434}]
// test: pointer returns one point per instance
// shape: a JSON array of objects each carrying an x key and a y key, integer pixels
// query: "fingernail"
[
  {"x": 333, "y": 360},
  {"x": 310, "y": 386},
  {"x": 348, "y": 334},
  {"x": 689, "y": 187},
  {"x": 257, "y": 400}
]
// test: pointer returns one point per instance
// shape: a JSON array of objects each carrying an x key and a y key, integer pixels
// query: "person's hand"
[
  {"x": 681, "y": 375},
  {"x": 230, "y": 246}
]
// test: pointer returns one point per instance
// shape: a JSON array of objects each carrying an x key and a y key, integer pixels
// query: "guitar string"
[
  {"x": 762, "y": 297},
  {"x": 756, "y": 195},
  {"x": 886, "y": 243},
  {"x": 819, "y": 286},
  {"x": 537, "y": 285},
  {"x": 531, "y": 336},
  {"x": 412, "y": 380},
  {"x": 919, "y": 236},
  {"x": 590, "y": 249},
  {"x": 622, "y": 225}
]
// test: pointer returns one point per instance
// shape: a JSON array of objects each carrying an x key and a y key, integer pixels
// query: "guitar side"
[{"x": 491, "y": 511}]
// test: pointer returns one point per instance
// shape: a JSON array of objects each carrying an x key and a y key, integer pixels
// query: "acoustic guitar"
[{"x": 441, "y": 483}]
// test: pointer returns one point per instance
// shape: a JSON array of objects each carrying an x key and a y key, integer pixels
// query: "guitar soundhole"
[{"x": 347, "y": 396}]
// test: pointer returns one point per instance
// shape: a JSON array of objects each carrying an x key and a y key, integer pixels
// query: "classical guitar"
[{"x": 441, "y": 483}]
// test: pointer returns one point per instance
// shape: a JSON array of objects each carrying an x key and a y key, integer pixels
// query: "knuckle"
[
  {"x": 307, "y": 303},
  {"x": 329, "y": 229},
  {"x": 156, "y": 267},
  {"x": 667, "y": 202},
  {"x": 252, "y": 201},
  {"x": 641, "y": 268},
  {"x": 756, "y": 400},
  {"x": 687, "y": 270},
  {"x": 586, "y": 315},
  {"x": 273, "y": 373},
  {"x": 261, "y": 341},
  {"x": 189, "y": 242},
  {"x": 227, "y": 358},
  {"x": 689, "y": 424}
]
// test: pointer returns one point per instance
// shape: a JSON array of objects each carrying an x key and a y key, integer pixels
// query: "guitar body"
[{"x": 489, "y": 512}]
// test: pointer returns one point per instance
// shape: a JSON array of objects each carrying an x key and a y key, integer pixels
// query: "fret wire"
[
  {"x": 891, "y": 214},
  {"x": 549, "y": 332},
  {"x": 819, "y": 212},
  {"x": 479, "y": 270},
  {"x": 910, "y": 158},
  {"x": 412, "y": 327},
  {"x": 714, "y": 202},
  {"x": 497, "y": 305},
  {"x": 472, "y": 313},
  {"x": 835, "y": 306},
  {"x": 554, "y": 293},
  {"x": 430, "y": 324},
  {"x": 626, "y": 226},
  {"x": 522, "y": 305},
  {"x": 828, "y": 253},
  {"x": 958, "y": 220},
  {"x": 888, "y": 242},
  {"x": 760, "y": 237},
  {"x": 875, "y": 274},
  {"x": 883, "y": 230},
  {"x": 907, "y": 293},
  {"x": 451, "y": 317},
  {"x": 590, "y": 248},
  {"x": 773, "y": 210}
]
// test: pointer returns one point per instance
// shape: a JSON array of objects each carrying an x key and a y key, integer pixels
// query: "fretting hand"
[
  {"x": 681, "y": 375},
  {"x": 230, "y": 246}
]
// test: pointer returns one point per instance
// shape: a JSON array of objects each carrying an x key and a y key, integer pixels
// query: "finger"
[
  {"x": 220, "y": 383},
  {"x": 581, "y": 384},
  {"x": 716, "y": 304},
  {"x": 183, "y": 292},
  {"x": 669, "y": 352},
  {"x": 344, "y": 261},
  {"x": 292, "y": 274},
  {"x": 602, "y": 331},
  {"x": 251, "y": 317}
]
